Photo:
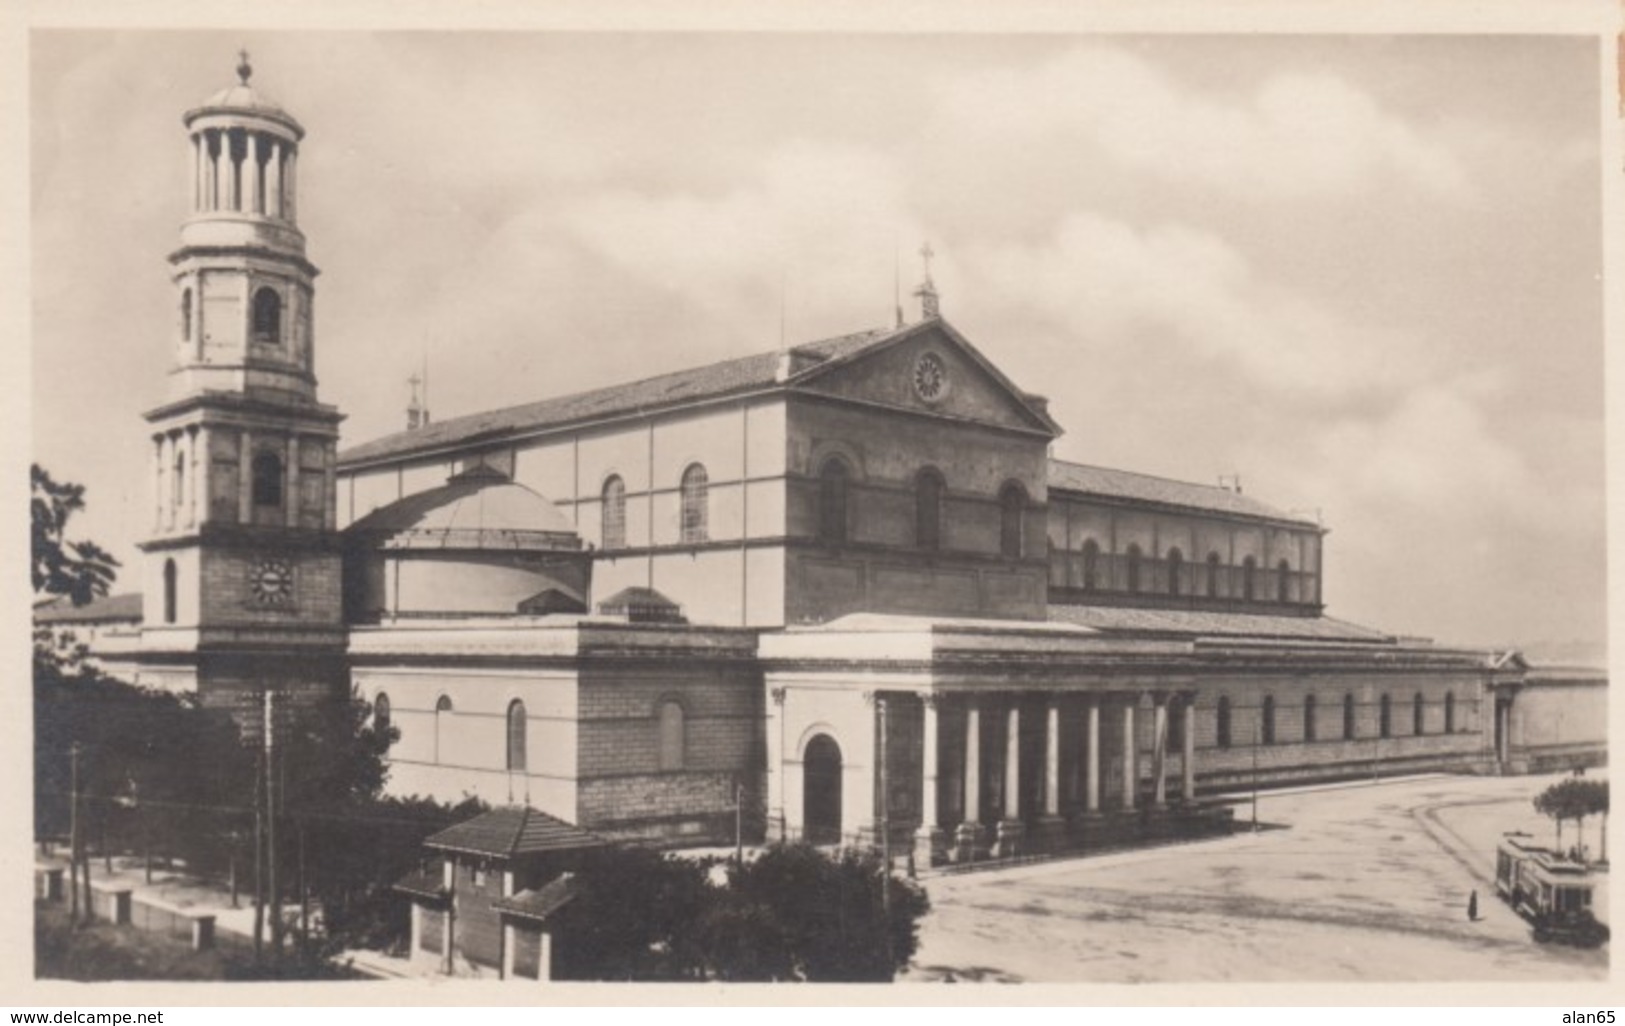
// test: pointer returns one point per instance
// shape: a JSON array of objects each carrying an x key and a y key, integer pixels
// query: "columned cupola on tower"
[{"x": 243, "y": 556}]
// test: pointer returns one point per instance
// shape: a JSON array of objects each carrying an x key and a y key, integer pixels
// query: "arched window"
[
  {"x": 1267, "y": 720},
  {"x": 1348, "y": 717},
  {"x": 1385, "y": 721},
  {"x": 1091, "y": 565},
  {"x": 267, "y": 315},
  {"x": 267, "y": 479},
  {"x": 612, "y": 514},
  {"x": 1012, "y": 509},
  {"x": 186, "y": 314},
  {"x": 696, "y": 502},
  {"x": 1309, "y": 717},
  {"x": 832, "y": 482},
  {"x": 380, "y": 713},
  {"x": 928, "y": 489},
  {"x": 1449, "y": 712},
  {"x": 1222, "y": 723},
  {"x": 442, "y": 715},
  {"x": 1132, "y": 568},
  {"x": 1212, "y": 575},
  {"x": 516, "y": 735},
  {"x": 673, "y": 739},
  {"x": 171, "y": 586},
  {"x": 1283, "y": 581},
  {"x": 1176, "y": 561},
  {"x": 1418, "y": 722},
  {"x": 1249, "y": 577}
]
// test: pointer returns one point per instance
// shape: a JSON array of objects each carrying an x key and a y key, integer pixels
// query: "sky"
[{"x": 1364, "y": 273}]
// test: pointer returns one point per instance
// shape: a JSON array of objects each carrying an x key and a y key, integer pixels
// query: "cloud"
[
  {"x": 1172, "y": 286},
  {"x": 1295, "y": 135}
]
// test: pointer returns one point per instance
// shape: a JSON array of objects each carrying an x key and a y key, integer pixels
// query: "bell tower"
[{"x": 242, "y": 567}]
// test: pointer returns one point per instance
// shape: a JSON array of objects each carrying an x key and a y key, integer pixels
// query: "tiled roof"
[
  {"x": 112, "y": 608},
  {"x": 742, "y": 374},
  {"x": 1125, "y": 484},
  {"x": 540, "y": 902},
  {"x": 423, "y": 882},
  {"x": 514, "y": 830},
  {"x": 1196, "y": 624}
]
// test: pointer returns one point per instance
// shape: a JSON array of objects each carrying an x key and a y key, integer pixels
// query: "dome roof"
[
  {"x": 245, "y": 97},
  {"x": 477, "y": 509}
]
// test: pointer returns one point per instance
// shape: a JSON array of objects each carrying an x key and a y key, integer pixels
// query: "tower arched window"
[
  {"x": 267, "y": 469},
  {"x": 1348, "y": 716},
  {"x": 612, "y": 516},
  {"x": 1267, "y": 715},
  {"x": 516, "y": 734},
  {"x": 1385, "y": 717},
  {"x": 1449, "y": 712},
  {"x": 1221, "y": 726},
  {"x": 380, "y": 713},
  {"x": 1012, "y": 509},
  {"x": 1132, "y": 568},
  {"x": 1418, "y": 716},
  {"x": 1176, "y": 563},
  {"x": 1212, "y": 575},
  {"x": 673, "y": 736},
  {"x": 832, "y": 496},
  {"x": 171, "y": 586},
  {"x": 267, "y": 315},
  {"x": 1249, "y": 578},
  {"x": 1283, "y": 581},
  {"x": 696, "y": 500},
  {"x": 1091, "y": 565},
  {"x": 186, "y": 314},
  {"x": 1309, "y": 717},
  {"x": 928, "y": 489}
]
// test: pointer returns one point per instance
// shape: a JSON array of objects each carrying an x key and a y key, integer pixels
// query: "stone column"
[
  {"x": 1131, "y": 755},
  {"x": 225, "y": 166},
  {"x": 171, "y": 500},
  {"x": 245, "y": 478},
  {"x": 158, "y": 482},
  {"x": 290, "y": 185},
  {"x": 1051, "y": 827},
  {"x": 194, "y": 467},
  {"x": 970, "y": 842},
  {"x": 251, "y": 175},
  {"x": 273, "y": 179},
  {"x": 929, "y": 843},
  {"x": 1188, "y": 763},
  {"x": 1159, "y": 748},
  {"x": 330, "y": 487},
  {"x": 1091, "y": 757},
  {"x": 290, "y": 501},
  {"x": 775, "y": 764},
  {"x": 206, "y": 172},
  {"x": 1011, "y": 830}
]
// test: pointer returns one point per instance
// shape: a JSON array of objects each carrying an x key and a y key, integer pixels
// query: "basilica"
[{"x": 839, "y": 591}]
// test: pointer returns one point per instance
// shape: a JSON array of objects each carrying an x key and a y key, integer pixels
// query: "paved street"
[{"x": 1356, "y": 883}]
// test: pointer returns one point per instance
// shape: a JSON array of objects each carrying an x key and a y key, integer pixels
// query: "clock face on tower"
[
  {"x": 271, "y": 581},
  {"x": 930, "y": 377}
]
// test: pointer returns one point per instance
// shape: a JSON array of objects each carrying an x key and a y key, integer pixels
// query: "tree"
[
  {"x": 82, "y": 570},
  {"x": 1573, "y": 798},
  {"x": 634, "y": 917}
]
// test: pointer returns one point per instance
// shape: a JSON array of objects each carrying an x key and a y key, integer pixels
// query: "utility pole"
[
  {"x": 739, "y": 823},
  {"x": 259, "y": 854},
  {"x": 270, "y": 823},
  {"x": 73, "y": 831},
  {"x": 885, "y": 833},
  {"x": 304, "y": 889},
  {"x": 1255, "y": 774}
]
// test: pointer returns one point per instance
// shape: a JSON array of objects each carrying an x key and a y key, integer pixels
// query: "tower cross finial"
[
  {"x": 930, "y": 302},
  {"x": 244, "y": 69},
  {"x": 926, "y": 253}
]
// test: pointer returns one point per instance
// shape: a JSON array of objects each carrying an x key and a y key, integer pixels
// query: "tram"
[{"x": 1552, "y": 892}]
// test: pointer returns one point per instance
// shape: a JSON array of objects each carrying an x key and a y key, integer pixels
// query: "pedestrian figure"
[{"x": 1472, "y": 906}]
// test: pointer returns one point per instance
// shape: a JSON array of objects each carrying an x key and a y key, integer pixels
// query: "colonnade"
[
  {"x": 974, "y": 836},
  {"x": 242, "y": 170}
]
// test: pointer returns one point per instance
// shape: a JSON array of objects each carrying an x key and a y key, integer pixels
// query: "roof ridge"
[{"x": 1141, "y": 473}]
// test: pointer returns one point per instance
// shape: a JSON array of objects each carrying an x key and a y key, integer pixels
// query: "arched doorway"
[{"x": 821, "y": 791}]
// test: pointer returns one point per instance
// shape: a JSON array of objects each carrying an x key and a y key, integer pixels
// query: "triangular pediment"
[{"x": 929, "y": 368}]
